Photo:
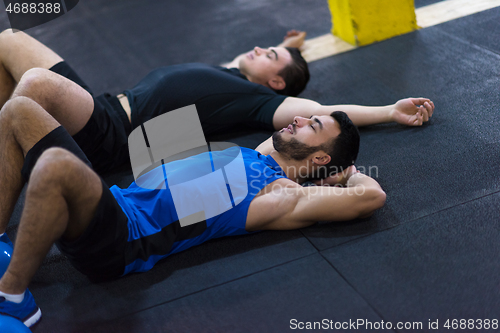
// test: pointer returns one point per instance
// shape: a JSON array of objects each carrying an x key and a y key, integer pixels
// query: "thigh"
[
  {"x": 21, "y": 52},
  {"x": 64, "y": 69},
  {"x": 69, "y": 103}
]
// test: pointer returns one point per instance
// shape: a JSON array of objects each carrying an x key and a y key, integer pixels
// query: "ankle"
[{"x": 9, "y": 284}]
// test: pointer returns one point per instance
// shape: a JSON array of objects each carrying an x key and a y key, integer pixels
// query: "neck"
[
  {"x": 252, "y": 79},
  {"x": 297, "y": 171},
  {"x": 244, "y": 73}
]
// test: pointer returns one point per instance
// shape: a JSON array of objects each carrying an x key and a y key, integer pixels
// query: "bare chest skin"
[{"x": 272, "y": 203}]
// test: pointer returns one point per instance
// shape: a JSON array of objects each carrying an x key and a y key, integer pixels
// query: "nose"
[
  {"x": 300, "y": 121},
  {"x": 257, "y": 50}
]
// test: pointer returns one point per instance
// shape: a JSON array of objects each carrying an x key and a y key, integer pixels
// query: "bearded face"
[{"x": 292, "y": 149}]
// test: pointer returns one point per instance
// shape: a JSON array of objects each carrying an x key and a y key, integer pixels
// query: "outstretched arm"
[
  {"x": 409, "y": 111},
  {"x": 293, "y": 38}
]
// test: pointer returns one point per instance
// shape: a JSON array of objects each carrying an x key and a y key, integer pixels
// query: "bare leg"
[
  {"x": 66, "y": 101},
  {"x": 20, "y": 52},
  {"x": 71, "y": 106},
  {"x": 21, "y": 126},
  {"x": 61, "y": 198},
  {"x": 7, "y": 85}
]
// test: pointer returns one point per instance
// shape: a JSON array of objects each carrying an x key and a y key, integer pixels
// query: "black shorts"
[
  {"x": 59, "y": 137},
  {"x": 99, "y": 252},
  {"x": 104, "y": 139}
]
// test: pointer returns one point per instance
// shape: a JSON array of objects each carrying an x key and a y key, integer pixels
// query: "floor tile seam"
[
  {"x": 356, "y": 290},
  {"x": 202, "y": 290},
  {"x": 409, "y": 221},
  {"x": 464, "y": 41},
  {"x": 310, "y": 242},
  {"x": 448, "y": 208}
]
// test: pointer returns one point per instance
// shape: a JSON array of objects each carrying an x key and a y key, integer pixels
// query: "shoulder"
[
  {"x": 275, "y": 201},
  {"x": 261, "y": 169}
]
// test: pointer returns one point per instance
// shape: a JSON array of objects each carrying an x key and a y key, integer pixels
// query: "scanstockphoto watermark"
[
  {"x": 438, "y": 325},
  {"x": 358, "y": 324}
]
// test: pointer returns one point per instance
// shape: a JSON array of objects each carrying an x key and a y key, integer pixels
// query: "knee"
[
  {"x": 57, "y": 159},
  {"x": 6, "y": 35},
  {"x": 55, "y": 166},
  {"x": 39, "y": 85},
  {"x": 33, "y": 82},
  {"x": 16, "y": 110},
  {"x": 49, "y": 174}
]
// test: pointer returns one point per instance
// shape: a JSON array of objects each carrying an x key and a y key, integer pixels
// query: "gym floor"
[{"x": 432, "y": 253}]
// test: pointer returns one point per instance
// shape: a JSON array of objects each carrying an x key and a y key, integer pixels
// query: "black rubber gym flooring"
[{"x": 432, "y": 253}]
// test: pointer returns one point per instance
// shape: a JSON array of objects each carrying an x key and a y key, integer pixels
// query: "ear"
[
  {"x": 277, "y": 83},
  {"x": 321, "y": 158}
]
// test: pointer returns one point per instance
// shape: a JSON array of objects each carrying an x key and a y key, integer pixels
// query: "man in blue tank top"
[
  {"x": 257, "y": 89},
  {"x": 107, "y": 233}
]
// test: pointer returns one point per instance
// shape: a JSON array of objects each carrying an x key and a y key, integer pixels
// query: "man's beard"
[{"x": 293, "y": 149}]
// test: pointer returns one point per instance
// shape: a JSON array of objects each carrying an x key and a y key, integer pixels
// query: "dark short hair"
[
  {"x": 295, "y": 74},
  {"x": 342, "y": 149}
]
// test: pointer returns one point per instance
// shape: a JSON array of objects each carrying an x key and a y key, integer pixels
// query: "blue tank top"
[{"x": 153, "y": 222}]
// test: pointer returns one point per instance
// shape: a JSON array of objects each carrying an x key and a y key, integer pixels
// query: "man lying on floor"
[
  {"x": 253, "y": 90},
  {"x": 107, "y": 233}
]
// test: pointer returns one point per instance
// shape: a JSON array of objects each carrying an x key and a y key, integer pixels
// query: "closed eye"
[
  {"x": 320, "y": 124},
  {"x": 275, "y": 55}
]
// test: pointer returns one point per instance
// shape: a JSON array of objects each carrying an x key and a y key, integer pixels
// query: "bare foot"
[{"x": 294, "y": 38}]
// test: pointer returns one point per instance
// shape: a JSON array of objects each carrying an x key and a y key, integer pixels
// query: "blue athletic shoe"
[
  {"x": 5, "y": 239},
  {"x": 27, "y": 311}
]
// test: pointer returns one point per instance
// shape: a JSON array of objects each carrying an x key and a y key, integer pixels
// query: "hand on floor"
[
  {"x": 412, "y": 111},
  {"x": 294, "y": 38}
]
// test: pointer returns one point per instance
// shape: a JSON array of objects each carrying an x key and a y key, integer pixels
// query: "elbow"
[
  {"x": 379, "y": 200},
  {"x": 375, "y": 200}
]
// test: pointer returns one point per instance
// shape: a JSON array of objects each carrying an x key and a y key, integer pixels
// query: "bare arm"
[
  {"x": 360, "y": 198},
  {"x": 265, "y": 147},
  {"x": 409, "y": 111},
  {"x": 293, "y": 207}
]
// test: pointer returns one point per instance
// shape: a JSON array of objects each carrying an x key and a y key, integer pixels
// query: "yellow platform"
[{"x": 363, "y": 22}]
